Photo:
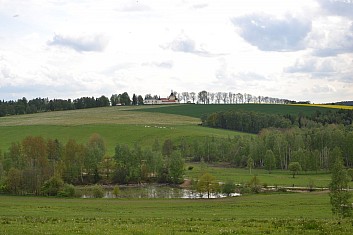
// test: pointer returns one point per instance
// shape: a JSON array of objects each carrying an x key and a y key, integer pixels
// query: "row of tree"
[
  {"x": 23, "y": 106},
  {"x": 245, "y": 121},
  {"x": 26, "y": 167},
  {"x": 205, "y": 97},
  {"x": 272, "y": 149},
  {"x": 254, "y": 122}
]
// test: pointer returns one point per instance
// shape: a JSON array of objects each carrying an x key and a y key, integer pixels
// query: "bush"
[
  {"x": 228, "y": 188},
  {"x": 98, "y": 191},
  {"x": 52, "y": 186},
  {"x": 68, "y": 190},
  {"x": 116, "y": 191}
]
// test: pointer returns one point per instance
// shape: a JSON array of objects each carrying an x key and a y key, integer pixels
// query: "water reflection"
[{"x": 156, "y": 191}]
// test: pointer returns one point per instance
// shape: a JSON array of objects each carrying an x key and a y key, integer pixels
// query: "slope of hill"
[
  {"x": 114, "y": 124},
  {"x": 195, "y": 110}
]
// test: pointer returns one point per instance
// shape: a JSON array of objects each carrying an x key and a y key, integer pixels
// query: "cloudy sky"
[{"x": 298, "y": 50}]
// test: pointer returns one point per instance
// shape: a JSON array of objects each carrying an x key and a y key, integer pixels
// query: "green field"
[
  {"x": 194, "y": 110},
  {"x": 295, "y": 213},
  {"x": 277, "y": 177},
  {"x": 114, "y": 124}
]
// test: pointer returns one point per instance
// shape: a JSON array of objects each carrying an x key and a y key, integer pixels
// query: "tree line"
[
  {"x": 254, "y": 122},
  {"x": 27, "y": 166},
  {"x": 24, "y": 106},
  {"x": 37, "y": 105}
]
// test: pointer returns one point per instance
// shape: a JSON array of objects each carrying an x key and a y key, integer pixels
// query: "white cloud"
[{"x": 280, "y": 48}]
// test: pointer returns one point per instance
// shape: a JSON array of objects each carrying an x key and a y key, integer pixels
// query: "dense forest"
[{"x": 254, "y": 122}]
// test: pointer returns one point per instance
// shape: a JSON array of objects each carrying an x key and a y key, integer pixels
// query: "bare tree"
[
  {"x": 212, "y": 95},
  {"x": 225, "y": 97},
  {"x": 218, "y": 97},
  {"x": 193, "y": 96},
  {"x": 185, "y": 96},
  {"x": 202, "y": 96}
]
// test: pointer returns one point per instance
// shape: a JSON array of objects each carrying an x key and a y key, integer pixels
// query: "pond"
[{"x": 154, "y": 191}]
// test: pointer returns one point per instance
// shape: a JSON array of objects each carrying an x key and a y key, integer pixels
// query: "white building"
[{"x": 170, "y": 100}]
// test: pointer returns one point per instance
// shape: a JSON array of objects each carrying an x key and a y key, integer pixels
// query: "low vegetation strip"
[{"x": 326, "y": 106}]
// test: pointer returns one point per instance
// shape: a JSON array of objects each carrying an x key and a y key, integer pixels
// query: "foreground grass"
[{"x": 306, "y": 213}]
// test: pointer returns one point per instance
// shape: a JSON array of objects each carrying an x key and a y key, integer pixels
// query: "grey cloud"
[
  {"x": 81, "y": 43},
  {"x": 271, "y": 34},
  {"x": 187, "y": 45},
  {"x": 183, "y": 45},
  {"x": 311, "y": 66},
  {"x": 164, "y": 64},
  {"x": 344, "y": 45},
  {"x": 199, "y": 6},
  {"x": 338, "y": 7},
  {"x": 135, "y": 7},
  {"x": 337, "y": 42},
  {"x": 323, "y": 89}
]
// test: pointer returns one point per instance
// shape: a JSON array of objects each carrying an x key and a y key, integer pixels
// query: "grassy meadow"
[
  {"x": 291, "y": 213},
  {"x": 114, "y": 124}
]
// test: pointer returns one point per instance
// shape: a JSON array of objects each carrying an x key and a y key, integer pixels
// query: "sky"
[{"x": 297, "y": 50}]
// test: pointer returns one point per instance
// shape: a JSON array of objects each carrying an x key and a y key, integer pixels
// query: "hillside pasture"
[
  {"x": 197, "y": 110},
  {"x": 116, "y": 125}
]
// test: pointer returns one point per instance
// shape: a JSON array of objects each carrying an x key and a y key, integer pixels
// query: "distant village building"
[{"x": 170, "y": 100}]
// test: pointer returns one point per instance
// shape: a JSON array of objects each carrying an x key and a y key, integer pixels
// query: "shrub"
[
  {"x": 52, "y": 186},
  {"x": 98, "y": 191},
  {"x": 68, "y": 190},
  {"x": 116, "y": 191},
  {"x": 228, "y": 188},
  {"x": 190, "y": 168}
]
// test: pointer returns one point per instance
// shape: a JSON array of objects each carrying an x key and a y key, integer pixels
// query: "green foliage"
[
  {"x": 52, "y": 186},
  {"x": 245, "y": 121},
  {"x": 207, "y": 184},
  {"x": 176, "y": 168},
  {"x": 255, "y": 184},
  {"x": 350, "y": 173},
  {"x": 339, "y": 194},
  {"x": 116, "y": 191},
  {"x": 97, "y": 191},
  {"x": 68, "y": 190},
  {"x": 228, "y": 188},
  {"x": 294, "y": 167},
  {"x": 270, "y": 161},
  {"x": 13, "y": 181},
  {"x": 250, "y": 164}
]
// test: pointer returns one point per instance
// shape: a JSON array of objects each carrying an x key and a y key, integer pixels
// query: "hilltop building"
[{"x": 171, "y": 99}]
